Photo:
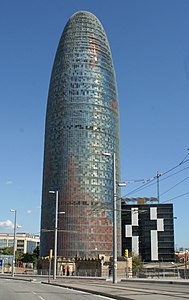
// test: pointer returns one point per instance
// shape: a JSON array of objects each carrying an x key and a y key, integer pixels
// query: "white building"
[{"x": 25, "y": 242}]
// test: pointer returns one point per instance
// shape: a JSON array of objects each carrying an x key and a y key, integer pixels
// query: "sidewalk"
[
  {"x": 121, "y": 290},
  {"x": 99, "y": 287}
]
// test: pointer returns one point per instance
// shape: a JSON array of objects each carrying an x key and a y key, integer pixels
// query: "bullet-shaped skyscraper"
[{"x": 82, "y": 122}]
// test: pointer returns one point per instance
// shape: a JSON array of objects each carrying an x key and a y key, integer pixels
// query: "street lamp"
[
  {"x": 185, "y": 263},
  {"x": 55, "y": 232},
  {"x": 121, "y": 184},
  {"x": 14, "y": 243}
]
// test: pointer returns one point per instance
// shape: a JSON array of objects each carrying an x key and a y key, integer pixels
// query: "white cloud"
[
  {"x": 9, "y": 182},
  {"x": 7, "y": 224},
  {"x": 29, "y": 211}
]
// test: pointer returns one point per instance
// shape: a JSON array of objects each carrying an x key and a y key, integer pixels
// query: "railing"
[{"x": 163, "y": 273}]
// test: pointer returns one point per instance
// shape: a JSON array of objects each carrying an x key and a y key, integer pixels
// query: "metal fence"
[{"x": 163, "y": 273}]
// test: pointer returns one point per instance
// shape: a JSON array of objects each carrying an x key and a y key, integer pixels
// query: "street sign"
[{"x": 1, "y": 263}]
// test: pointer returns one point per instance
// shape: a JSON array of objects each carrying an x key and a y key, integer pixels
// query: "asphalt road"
[
  {"x": 69, "y": 288},
  {"x": 22, "y": 290}
]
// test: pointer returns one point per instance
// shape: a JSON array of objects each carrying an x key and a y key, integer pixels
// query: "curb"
[
  {"x": 157, "y": 281},
  {"x": 89, "y": 291}
]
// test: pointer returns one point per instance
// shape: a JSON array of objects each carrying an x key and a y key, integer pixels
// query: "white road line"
[
  {"x": 88, "y": 293},
  {"x": 41, "y": 298},
  {"x": 79, "y": 292},
  {"x": 38, "y": 296},
  {"x": 101, "y": 296}
]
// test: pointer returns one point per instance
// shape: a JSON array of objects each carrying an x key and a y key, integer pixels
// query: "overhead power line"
[
  {"x": 176, "y": 197},
  {"x": 153, "y": 183},
  {"x": 150, "y": 181},
  {"x": 174, "y": 186}
]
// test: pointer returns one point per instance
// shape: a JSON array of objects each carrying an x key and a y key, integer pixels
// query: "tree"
[
  {"x": 9, "y": 251},
  {"x": 137, "y": 264},
  {"x": 32, "y": 257},
  {"x": 36, "y": 252},
  {"x": 28, "y": 258},
  {"x": 19, "y": 256}
]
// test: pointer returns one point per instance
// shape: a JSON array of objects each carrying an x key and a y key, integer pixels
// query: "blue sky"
[{"x": 150, "y": 48}]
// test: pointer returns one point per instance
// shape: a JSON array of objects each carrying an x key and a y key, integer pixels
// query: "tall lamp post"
[
  {"x": 14, "y": 242},
  {"x": 185, "y": 263},
  {"x": 114, "y": 215},
  {"x": 55, "y": 233}
]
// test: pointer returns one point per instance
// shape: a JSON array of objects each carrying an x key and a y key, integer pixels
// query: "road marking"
[
  {"x": 104, "y": 297},
  {"x": 88, "y": 293},
  {"x": 41, "y": 298},
  {"x": 38, "y": 296}
]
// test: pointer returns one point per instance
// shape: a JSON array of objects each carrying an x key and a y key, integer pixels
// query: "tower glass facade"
[{"x": 82, "y": 122}]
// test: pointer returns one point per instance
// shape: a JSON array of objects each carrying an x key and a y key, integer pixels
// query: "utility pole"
[{"x": 157, "y": 176}]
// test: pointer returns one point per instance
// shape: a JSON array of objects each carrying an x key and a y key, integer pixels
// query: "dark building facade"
[
  {"x": 148, "y": 230},
  {"x": 82, "y": 122}
]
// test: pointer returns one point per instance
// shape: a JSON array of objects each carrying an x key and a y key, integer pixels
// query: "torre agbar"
[{"x": 82, "y": 123}]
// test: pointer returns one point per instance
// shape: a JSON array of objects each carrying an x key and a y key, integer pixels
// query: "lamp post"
[
  {"x": 14, "y": 242},
  {"x": 114, "y": 223},
  {"x": 114, "y": 215},
  {"x": 185, "y": 263},
  {"x": 55, "y": 233}
]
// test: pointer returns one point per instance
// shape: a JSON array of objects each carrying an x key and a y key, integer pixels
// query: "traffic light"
[
  {"x": 126, "y": 253},
  {"x": 50, "y": 254}
]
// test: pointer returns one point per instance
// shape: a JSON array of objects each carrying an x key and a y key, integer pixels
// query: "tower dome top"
[{"x": 82, "y": 13}]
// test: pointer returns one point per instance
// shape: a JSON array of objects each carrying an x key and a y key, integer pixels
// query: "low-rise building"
[{"x": 25, "y": 242}]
